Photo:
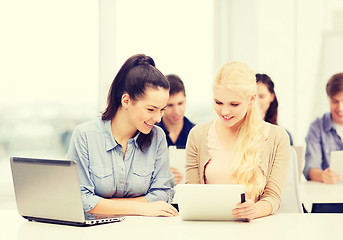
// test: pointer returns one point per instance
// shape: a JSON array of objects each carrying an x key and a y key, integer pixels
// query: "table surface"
[
  {"x": 317, "y": 192},
  {"x": 278, "y": 226}
]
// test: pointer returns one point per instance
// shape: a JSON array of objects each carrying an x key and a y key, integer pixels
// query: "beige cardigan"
[{"x": 274, "y": 164}]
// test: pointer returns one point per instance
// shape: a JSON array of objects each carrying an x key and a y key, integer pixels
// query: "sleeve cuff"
[
  {"x": 89, "y": 202},
  {"x": 273, "y": 203},
  {"x": 166, "y": 196}
]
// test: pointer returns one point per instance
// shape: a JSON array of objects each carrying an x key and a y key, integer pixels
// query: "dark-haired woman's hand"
[{"x": 159, "y": 209}]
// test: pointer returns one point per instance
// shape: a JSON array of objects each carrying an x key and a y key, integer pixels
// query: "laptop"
[
  {"x": 48, "y": 190},
  {"x": 336, "y": 163},
  {"x": 209, "y": 201}
]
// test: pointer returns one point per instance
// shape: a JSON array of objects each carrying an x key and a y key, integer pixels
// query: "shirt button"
[{"x": 122, "y": 184}]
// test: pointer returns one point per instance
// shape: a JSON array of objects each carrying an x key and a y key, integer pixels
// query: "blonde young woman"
[{"x": 239, "y": 147}]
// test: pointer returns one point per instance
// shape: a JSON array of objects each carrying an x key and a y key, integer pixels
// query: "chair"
[
  {"x": 301, "y": 159},
  {"x": 290, "y": 201}
]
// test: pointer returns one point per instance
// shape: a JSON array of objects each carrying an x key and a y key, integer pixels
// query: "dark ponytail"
[{"x": 136, "y": 75}]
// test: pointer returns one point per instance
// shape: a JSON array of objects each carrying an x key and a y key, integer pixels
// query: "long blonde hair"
[{"x": 238, "y": 77}]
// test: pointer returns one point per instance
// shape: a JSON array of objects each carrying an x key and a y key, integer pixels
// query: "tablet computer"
[
  {"x": 209, "y": 201},
  {"x": 336, "y": 163},
  {"x": 177, "y": 159}
]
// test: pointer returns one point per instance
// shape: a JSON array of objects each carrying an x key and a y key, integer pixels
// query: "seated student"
[
  {"x": 122, "y": 157},
  {"x": 175, "y": 125},
  {"x": 324, "y": 136},
  {"x": 238, "y": 147},
  {"x": 268, "y": 101}
]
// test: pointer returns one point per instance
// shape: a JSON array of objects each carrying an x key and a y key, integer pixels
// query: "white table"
[
  {"x": 317, "y": 192},
  {"x": 280, "y": 226}
]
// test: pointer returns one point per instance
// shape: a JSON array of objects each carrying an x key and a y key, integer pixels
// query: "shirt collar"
[
  {"x": 109, "y": 139},
  {"x": 327, "y": 122},
  {"x": 186, "y": 126},
  {"x": 134, "y": 139},
  {"x": 161, "y": 124}
]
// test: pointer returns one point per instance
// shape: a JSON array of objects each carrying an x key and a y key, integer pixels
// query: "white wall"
[
  {"x": 52, "y": 50},
  {"x": 48, "y": 77},
  {"x": 177, "y": 34},
  {"x": 262, "y": 34},
  {"x": 59, "y": 53},
  {"x": 276, "y": 54},
  {"x": 49, "y": 51},
  {"x": 280, "y": 38},
  {"x": 284, "y": 40}
]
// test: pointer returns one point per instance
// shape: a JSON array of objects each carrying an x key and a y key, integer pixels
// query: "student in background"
[
  {"x": 123, "y": 157},
  {"x": 174, "y": 123},
  {"x": 268, "y": 101},
  {"x": 324, "y": 136},
  {"x": 239, "y": 147}
]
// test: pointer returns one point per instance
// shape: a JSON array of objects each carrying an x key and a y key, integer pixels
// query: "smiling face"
[
  {"x": 145, "y": 112},
  {"x": 336, "y": 108},
  {"x": 265, "y": 98},
  {"x": 230, "y": 106},
  {"x": 175, "y": 110}
]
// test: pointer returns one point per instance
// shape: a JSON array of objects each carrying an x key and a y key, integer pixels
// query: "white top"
[{"x": 217, "y": 170}]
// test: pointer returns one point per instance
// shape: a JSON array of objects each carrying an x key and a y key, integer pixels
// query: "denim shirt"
[
  {"x": 321, "y": 140},
  {"x": 104, "y": 173}
]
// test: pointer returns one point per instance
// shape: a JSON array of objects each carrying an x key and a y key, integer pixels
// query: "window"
[{"x": 49, "y": 77}]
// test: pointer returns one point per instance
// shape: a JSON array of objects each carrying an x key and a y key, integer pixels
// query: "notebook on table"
[
  {"x": 48, "y": 190},
  {"x": 336, "y": 163},
  {"x": 209, "y": 201}
]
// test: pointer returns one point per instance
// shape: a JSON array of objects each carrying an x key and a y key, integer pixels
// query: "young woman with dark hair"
[
  {"x": 123, "y": 157},
  {"x": 268, "y": 101}
]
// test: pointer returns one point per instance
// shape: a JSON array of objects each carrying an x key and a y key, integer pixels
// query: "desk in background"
[
  {"x": 279, "y": 226},
  {"x": 317, "y": 192}
]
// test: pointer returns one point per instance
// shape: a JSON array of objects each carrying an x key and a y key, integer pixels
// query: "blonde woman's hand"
[
  {"x": 159, "y": 209},
  {"x": 245, "y": 210}
]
